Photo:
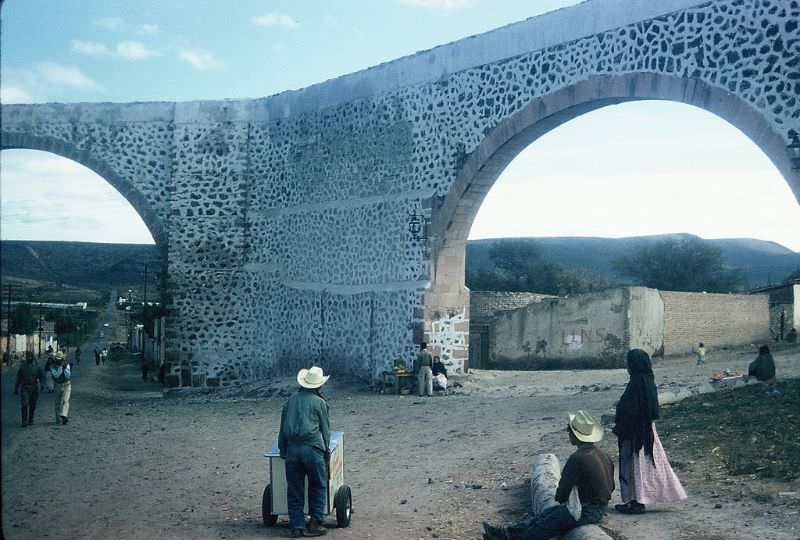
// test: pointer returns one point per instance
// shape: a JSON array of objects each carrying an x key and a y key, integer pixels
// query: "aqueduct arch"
[
  {"x": 504, "y": 143},
  {"x": 151, "y": 219},
  {"x": 285, "y": 219}
]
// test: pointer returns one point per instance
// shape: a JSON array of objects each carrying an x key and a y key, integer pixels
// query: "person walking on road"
[
  {"x": 61, "y": 374},
  {"x": 96, "y": 356},
  {"x": 304, "y": 443},
  {"x": 29, "y": 377},
  {"x": 77, "y": 356},
  {"x": 423, "y": 367}
]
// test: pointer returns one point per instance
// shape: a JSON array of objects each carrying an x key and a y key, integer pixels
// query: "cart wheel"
[
  {"x": 270, "y": 519},
  {"x": 343, "y": 501}
]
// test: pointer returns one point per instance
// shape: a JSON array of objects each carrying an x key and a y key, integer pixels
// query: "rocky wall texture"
[{"x": 287, "y": 235}]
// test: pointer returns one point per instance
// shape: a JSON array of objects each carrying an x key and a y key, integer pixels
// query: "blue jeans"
[
  {"x": 555, "y": 521},
  {"x": 303, "y": 460}
]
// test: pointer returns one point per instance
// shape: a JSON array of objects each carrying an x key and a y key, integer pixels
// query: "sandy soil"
[{"x": 133, "y": 463}]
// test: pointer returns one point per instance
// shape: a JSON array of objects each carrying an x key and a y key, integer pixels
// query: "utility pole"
[
  {"x": 8, "y": 329},
  {"x": 144, "y": 302},
  {"x": 40, "y": 332}
]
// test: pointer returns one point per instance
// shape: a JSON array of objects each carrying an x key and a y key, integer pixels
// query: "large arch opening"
[
  {"x": 78, "y": 258},
  {"x": 447, "y": 297}
]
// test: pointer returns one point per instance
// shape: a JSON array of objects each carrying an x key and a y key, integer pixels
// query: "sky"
[{"x": 626, "y": 170}]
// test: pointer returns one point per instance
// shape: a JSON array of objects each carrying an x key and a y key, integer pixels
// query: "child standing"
[{"x": 701, "y": 354}]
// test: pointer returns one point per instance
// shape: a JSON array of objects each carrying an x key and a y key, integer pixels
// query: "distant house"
[{"x": 784, "y": 307}]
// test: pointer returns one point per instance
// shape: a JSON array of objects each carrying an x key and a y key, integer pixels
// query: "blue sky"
[{"x": 612, "y": 172}]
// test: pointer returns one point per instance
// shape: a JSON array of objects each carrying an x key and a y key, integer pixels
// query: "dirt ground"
[{"x": 134, "y": 463}]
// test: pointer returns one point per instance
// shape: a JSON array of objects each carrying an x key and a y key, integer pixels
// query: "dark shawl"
[
  {"x": 638, "y": 406},
  {"x": 762, "y": 368}
]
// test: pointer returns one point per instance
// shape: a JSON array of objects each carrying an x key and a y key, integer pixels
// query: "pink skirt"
[{"x": 644, "y": 481}]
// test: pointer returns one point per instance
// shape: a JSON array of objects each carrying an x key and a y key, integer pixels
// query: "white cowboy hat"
[
  {"x": 59, "y": 355},
  {"x": 312, "y": 378},
  {"x": 585, "y": 427}
]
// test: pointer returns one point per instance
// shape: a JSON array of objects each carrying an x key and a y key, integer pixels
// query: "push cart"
[{"x": 340, "y": 499}]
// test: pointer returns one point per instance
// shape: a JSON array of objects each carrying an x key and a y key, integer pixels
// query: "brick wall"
[
  {"x": 714, "y": 319},
  {"x": 483, "y": 305}
]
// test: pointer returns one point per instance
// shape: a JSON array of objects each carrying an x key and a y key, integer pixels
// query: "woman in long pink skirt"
[{"x": 645, "y": 475}]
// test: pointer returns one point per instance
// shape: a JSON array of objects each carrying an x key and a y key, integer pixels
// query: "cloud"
[
  {"x": 68, "y": 76},
  {"x": 134, "y": 50},
  {"x": 275, "y": 19},
  {"x": 127, "y": 50},
  {"x": 10, "y": 93},
  {"x": 148, "y": 29},
  {"x": 199, "y": 59},
  {"x": 89, "y": 48},
  {"x": 445, "y": 5},
  {"x": 111, "y": 23}
]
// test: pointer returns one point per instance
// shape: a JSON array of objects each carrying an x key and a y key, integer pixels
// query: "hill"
[
  {"x": 75, "y": 271},
  {"x": 760, "y": 262},
  {"x": 83, "y": 271}
]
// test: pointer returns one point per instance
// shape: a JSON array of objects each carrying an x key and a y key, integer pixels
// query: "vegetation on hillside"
[
  {"x": 520, "y": 267},
  {"x": 685, "y": 264}
]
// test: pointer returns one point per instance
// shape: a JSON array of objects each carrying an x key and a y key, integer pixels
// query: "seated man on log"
[{"x": 589, "y": 469}]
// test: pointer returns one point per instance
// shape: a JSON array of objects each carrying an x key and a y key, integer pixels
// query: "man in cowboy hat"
[
  {"x": 29, "y": 376},
  {"x": 303, "y": 441},
  {"x": 589, "y": 469},
  {"x": 61, "y": 374}
]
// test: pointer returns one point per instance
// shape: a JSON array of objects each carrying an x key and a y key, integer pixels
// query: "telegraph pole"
[
  {"x": 40, "y": 332},
  {"x": 8, "y": 329}
]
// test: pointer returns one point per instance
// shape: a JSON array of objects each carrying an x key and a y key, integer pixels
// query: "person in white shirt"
[{"x": 61, "y": 373}]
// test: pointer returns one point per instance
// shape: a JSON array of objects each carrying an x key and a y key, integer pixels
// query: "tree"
[
  {"x": 22, "y": 320},
  {"x": 521, "y": 267},
  {"x": 690, "y": 264}
]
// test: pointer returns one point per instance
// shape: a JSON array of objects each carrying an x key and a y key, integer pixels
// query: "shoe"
[
  {"x": 315, "y": 528},
  {"x": 64, "y": 420},
  {"x": 490, "y": 532},
  {"x": 632, "y": 507},
  {"x": 297, "y": 533}
]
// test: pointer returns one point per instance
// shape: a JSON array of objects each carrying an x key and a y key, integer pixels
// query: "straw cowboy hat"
[
  {"x": 59, "y": 355},
  {"x": 312, "y": 378},
  {"x": 585, "y": 427}
]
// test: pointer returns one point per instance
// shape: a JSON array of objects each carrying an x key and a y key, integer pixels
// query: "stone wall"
[
  {"x": 714, "y": 319},
  {"x": 583, "y": 331},
  {"x": 484, "y": 305}
]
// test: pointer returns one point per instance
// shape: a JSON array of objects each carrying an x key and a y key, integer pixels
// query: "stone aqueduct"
[{"x": 284, "y": 221}]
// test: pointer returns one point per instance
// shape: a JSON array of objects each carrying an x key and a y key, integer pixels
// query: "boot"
[
  {"x": 315, "y": 528},
  {"x": 24, "y": 413}
]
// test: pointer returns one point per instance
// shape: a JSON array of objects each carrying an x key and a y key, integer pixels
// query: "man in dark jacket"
[
  {"x": 29, "y": 376},
  {"x": 304, "y": 442},
  {"x": 589, "y": 469}
]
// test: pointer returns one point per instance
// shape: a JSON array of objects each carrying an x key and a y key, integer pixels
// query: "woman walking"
[{"x": 645, "y": 475}]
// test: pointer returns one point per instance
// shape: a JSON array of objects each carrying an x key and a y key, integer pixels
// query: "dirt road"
[{"x": 134, "y": 464}]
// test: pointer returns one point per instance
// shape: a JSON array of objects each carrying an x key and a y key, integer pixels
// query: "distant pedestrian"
[
  {"x": 103, "y": 356},
  {"x": 791, "y": 336},
  {"x": 439, "y": 375},
  {"x": 645, "y": 475},
  {"x": 48, "y": 380},
  {"x": 29, "y": 376},
  {"x": 145, "y": 365},
  {"x": 96, "y": 356},
  {"x": 763, "y": 367},
  {"x": 77, "y": 356},
  {"x": 701, "y": 354},
  {"x": 61, "y": 374},
  {"x": 423, "y": 366}
]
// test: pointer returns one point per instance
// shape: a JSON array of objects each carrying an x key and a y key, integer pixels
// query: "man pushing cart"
[{"x": 311, "y": 453}]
